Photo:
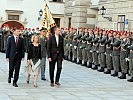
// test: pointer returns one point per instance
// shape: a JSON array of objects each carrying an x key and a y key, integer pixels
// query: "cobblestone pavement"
[{"x": 78, "y": 83}]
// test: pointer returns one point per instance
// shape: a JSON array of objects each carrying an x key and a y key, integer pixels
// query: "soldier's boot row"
[
  {"x": 95, "y": 67},
  {"x": 75, "y": 60},
  {"x": 101, "y": 69},
  {"x": 130, "y": 80},
  {"x": 90, "y": 65},
  {"x": 108, "y": 71},
  {"x": 79, "y": 62},
  {"x": 84, "y": 64},
  {"x": 115, "y": 74},
  {"x": 123, "y": 76}
]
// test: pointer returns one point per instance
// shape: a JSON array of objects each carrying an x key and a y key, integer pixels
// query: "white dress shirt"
[{"x": 57, "y": 39}]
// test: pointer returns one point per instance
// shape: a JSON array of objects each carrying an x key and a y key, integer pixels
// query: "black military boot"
[
  {"x": 90, "y": 65},
  {"x": 80, "y": 62},
  {"x": 95, "y": 68},
  {"x": 101, "y": 69},
  {"x": 84, "y": 64},
  {"x": 75, "y": 60},
  {"x": 108, "y": 71},
  {"x": 123, "y": 76},
  {"x": 130, "y": 80},
  {"x": 115, "y": 74}
]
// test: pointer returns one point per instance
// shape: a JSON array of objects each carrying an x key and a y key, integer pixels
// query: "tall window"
[
  {"x": 121, "y": 22},
  {"x": 69, "y": 23}
]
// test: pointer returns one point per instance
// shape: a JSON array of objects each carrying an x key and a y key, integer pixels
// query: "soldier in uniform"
[
  {"x": 80, "y": 58},
  {"x": 74, "y": 46},
  {"x": 109, "y": 49},
  {"x": 116, "y": 54},
  {"x": 70, "y": 38},
  {"x": 66, "y": 44},
  {"x": 89, "y": 47},
  {"x": 125, "y": 42},
  {"x": 84, "y": 48},
  {"x": 101, "y": 51},
  {"x": 94, "y": 50},
  {"x": 130, "y": 59}
]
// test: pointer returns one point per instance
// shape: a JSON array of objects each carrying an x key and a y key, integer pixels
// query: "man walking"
[
  {"x": 43, "y": 42},
  {"x": 55, "y": 50},
  {"x": 14, "y": 55}
]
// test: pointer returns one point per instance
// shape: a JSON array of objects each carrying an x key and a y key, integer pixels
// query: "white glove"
[
  {"x": 66, "y": 45},
  {"x": 90, "y": 51},
  {"x": 127, "y": 59},
  {"x": 105, "y": 53},
  {"x": 75, "y": 47},
  {"x": 111, "y": 55},
  {"x": 70, "y": 45}
]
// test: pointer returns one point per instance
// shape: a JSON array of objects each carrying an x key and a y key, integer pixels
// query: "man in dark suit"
[
  {"x": 55, "y": 50},
  {"x": 14, "y": 55}
]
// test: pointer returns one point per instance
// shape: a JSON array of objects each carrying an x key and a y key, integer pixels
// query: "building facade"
[
  {"x": 25, "y": 13},
  {"x": 120, "y": 12},
  {"x": 78, "y": 13}
]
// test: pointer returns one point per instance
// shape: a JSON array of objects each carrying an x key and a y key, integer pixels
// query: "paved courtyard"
[{"x": 78, "y": 83}]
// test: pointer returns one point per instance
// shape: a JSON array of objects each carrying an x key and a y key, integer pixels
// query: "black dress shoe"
[
  {"x": 9, "y": 80},
  {"x": 115, "y": 74},
  {"x": 101, "y": 70},
  {"x": 108, "y": 71},
  {"x": 43, "y": 79},
  {"x": 80, "y": 62},
  {"x": 130, "y": 80},
  {"x": 95, "y": 68},
  {"x": 57, "y": 83},
  {"x": 85, "y": 64},
  {"x": 90, "y": 65},
  {"x": 75, "y": 60},
  {"x": 123, "y": 76},
  {"x": 52, "y": 84},
  {"x": 15, "y": 85}
]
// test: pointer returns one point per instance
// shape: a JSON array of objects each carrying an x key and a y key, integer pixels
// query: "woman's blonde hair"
[{"x": 32, "y": 38}]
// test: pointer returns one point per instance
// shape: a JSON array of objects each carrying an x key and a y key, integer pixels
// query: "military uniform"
[
  {"x": 74, "y": 48},
  {"x": 123, "y": 55},
  {"x": 80, "y": 49},
  {"x": 84, "y": 50},
  {"x": 94, "y": 51},
  {"x": 116, "y": 56},
  {"x": 101, "y": 51},
  {"x": 131, "y": 63},
  {"x": 66, "y": 46},
  {"x": 70, "y": 38},
  {"x": 109, "y": 61},
  {"x": 89, "y": 53}
]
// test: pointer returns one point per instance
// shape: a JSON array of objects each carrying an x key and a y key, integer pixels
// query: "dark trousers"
[
  {"x": 14, "y": 65},
  {"x": 52, "y": 68}
]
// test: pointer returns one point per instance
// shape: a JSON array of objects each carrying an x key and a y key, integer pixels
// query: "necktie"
[{"x": 16, "y": 41}]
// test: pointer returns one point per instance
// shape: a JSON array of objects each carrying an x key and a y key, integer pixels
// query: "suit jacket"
[
  {"x": 43, "y": 42},
  {"x": 12, "y": 49},
  {"x": 53, "y": 50}
]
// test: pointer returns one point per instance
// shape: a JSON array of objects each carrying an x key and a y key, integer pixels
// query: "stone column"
[{"x": 79, "y": 14}]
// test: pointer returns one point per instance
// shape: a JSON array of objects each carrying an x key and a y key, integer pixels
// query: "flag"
[{"x": 48, "y": 21}]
